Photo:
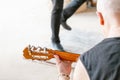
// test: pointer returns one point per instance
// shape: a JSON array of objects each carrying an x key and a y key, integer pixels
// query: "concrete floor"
[{"x": 28, "y": 22}]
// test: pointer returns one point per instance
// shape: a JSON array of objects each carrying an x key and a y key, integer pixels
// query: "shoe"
[
  {"x": 57, "y": 46},
  {"x": 65, "y": 25}
]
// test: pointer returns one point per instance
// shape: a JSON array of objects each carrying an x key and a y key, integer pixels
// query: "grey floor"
[{"x": 28, "y": 22}]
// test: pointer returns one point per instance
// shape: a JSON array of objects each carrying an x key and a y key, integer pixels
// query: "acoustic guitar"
[{"x": 44, "y": 54}]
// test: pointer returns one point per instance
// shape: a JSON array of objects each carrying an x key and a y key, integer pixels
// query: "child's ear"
[{"x": 101, "y": 19}]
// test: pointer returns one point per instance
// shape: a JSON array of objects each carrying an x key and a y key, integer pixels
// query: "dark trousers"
[{"x": 58, "y": 14}]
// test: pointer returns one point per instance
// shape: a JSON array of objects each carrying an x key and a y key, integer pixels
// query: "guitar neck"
[
  {"x": 65, "y": 55},
  {"x": 48, "y": 54}
]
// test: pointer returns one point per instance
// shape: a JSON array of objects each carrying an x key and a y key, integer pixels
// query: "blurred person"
[{"x": 60, "y": 16}]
